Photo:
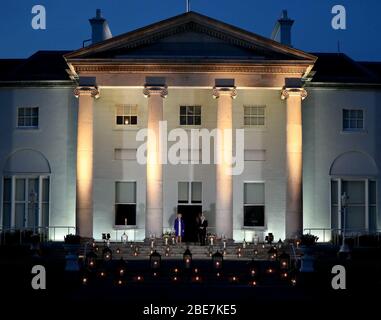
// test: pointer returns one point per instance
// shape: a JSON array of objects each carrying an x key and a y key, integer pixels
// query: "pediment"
[{"x": 190, "y": 36}]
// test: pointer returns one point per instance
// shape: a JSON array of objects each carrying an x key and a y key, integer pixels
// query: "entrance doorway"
[{"x": 190, "y": 213}]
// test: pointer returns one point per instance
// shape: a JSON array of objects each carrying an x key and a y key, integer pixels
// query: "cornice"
[{"x": 189, "y": 68}]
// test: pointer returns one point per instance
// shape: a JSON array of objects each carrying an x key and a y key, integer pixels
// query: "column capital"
[
  {"x": 87, "y": 91},
  {"x": 219, "y": 91},
  {"x": 149, "y": 91},
  {"x": 286, "y": 92}
]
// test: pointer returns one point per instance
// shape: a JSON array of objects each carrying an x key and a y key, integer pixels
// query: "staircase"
[{"x": 142, "y": 250}]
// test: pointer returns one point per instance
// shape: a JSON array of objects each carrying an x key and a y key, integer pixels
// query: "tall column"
[
  {"x": 294, "y": 164},
  {"x": 224, "y": 150},
  {"x": 84, "y": 198},
  {"x": 154, "y": 196}
]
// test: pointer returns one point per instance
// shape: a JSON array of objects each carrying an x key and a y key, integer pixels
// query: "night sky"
[{"x": 68, "y": 26}]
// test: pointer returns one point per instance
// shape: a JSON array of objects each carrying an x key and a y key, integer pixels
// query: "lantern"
[
  {"x": 252, "y": 268},
  {"x": 187, "y": 258},
  {"x": 272, "y": 253},
  {"x": 107, "y": 254},
  {"x": 284, "y": 260},
  {"x": 122, "y": 266},
  {"x": 155, "y": 260},
  {"x": 91, "y": 259},
  {"x": 217, "y": 260}
]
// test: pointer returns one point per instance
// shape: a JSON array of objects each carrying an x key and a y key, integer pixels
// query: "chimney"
[
  {"x": 100, "y": 30},
  {"x": 282, "y": 29}
]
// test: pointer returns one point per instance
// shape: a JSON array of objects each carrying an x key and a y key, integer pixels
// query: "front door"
[{"x": 190, "y": 214}]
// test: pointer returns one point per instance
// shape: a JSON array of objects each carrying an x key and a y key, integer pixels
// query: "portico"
[{"x": 266, "y": 197}]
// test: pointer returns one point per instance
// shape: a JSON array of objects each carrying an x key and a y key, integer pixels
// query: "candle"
[
  {"x": 125, "y": 221},
  {"x": 166, "y": 240},
  {"x": 211, "y": 240},
  {"x": 152, "y": 243},
  {"x": 224, "y": 244}
]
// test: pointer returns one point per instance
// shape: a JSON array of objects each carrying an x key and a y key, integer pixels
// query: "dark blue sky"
[{"x": 68, "y": 26}]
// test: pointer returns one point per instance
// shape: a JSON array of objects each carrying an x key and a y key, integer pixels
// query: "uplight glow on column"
[
  {"x": 294, "y": 164},
  {"x": 224, "y": 155},
  {"x": 154, "y": 205},
  {"x": 84, "y": 198}
]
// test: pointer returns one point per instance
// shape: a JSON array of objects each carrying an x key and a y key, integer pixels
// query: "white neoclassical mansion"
[{"x": 70, "y": 123}]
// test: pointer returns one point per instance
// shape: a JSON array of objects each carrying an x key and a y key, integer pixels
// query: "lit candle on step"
[{"x": 125, "y": 221}]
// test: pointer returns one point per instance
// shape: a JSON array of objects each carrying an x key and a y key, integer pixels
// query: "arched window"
[
  {"x": 354, "y": 174},
  {"x": 26, "y": 191}
]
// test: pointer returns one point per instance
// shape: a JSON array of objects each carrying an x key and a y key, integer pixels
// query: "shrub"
[
  {"x": 72, "y": 239},
  {"x": 308, "y": 239}
]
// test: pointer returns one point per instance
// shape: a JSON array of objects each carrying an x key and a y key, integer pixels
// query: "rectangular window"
[
  {"x": 125, "y": 203},
  {"x": 358, "y": 196},
  {"x": 254, "y": 115},
  {"x": 353, "y": 120},
  {"x": 45, "y": 201},
  {"x": 254, "y": 155},
  {"x": 33, "y": 201},
  {"x": 27, "y": 117},
  {"x": 254, "y": 205},
  {"x": 190, "y": 192},
  {"x": 28, "y": 202},
  {"x": 334, "y": 204},
  {"x": 125, "y": 154},
  {"x": 355, "y": 215},
  {"x": 190, "y": 115},
  {"x": 7, "y": 202},
  {"x": 20, "y": 203},
  {"x": 372, "y": 205},
  {"x": 126, "y": 115},
  {"x": 196, "y": 192}
]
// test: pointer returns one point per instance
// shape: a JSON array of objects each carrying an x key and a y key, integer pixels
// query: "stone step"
[{"x": 144, "y": 249}]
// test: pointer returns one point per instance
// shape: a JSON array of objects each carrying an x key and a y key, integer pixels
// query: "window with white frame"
[
  {"x": 28, "y": 197},
  {"x": 125, "y": 203},
  {"x": 353, "y": 120},
  {"x": 361, "y": 204},
  {"x": 190, "y": 115},
  {"x": 126, "y": 115},
  {"x": 254, "y": 115},
  {"x": 189, "y": 192},
  {"x": 27, "y": 117},
  {"x": 254, "y": 204},
  {"x": 7, "y": 202}
]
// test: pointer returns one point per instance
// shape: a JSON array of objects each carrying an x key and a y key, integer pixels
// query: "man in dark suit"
[{"x": 202, "y": 226}]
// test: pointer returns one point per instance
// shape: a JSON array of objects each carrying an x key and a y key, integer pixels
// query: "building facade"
[{"x": 72, "y": 126}]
